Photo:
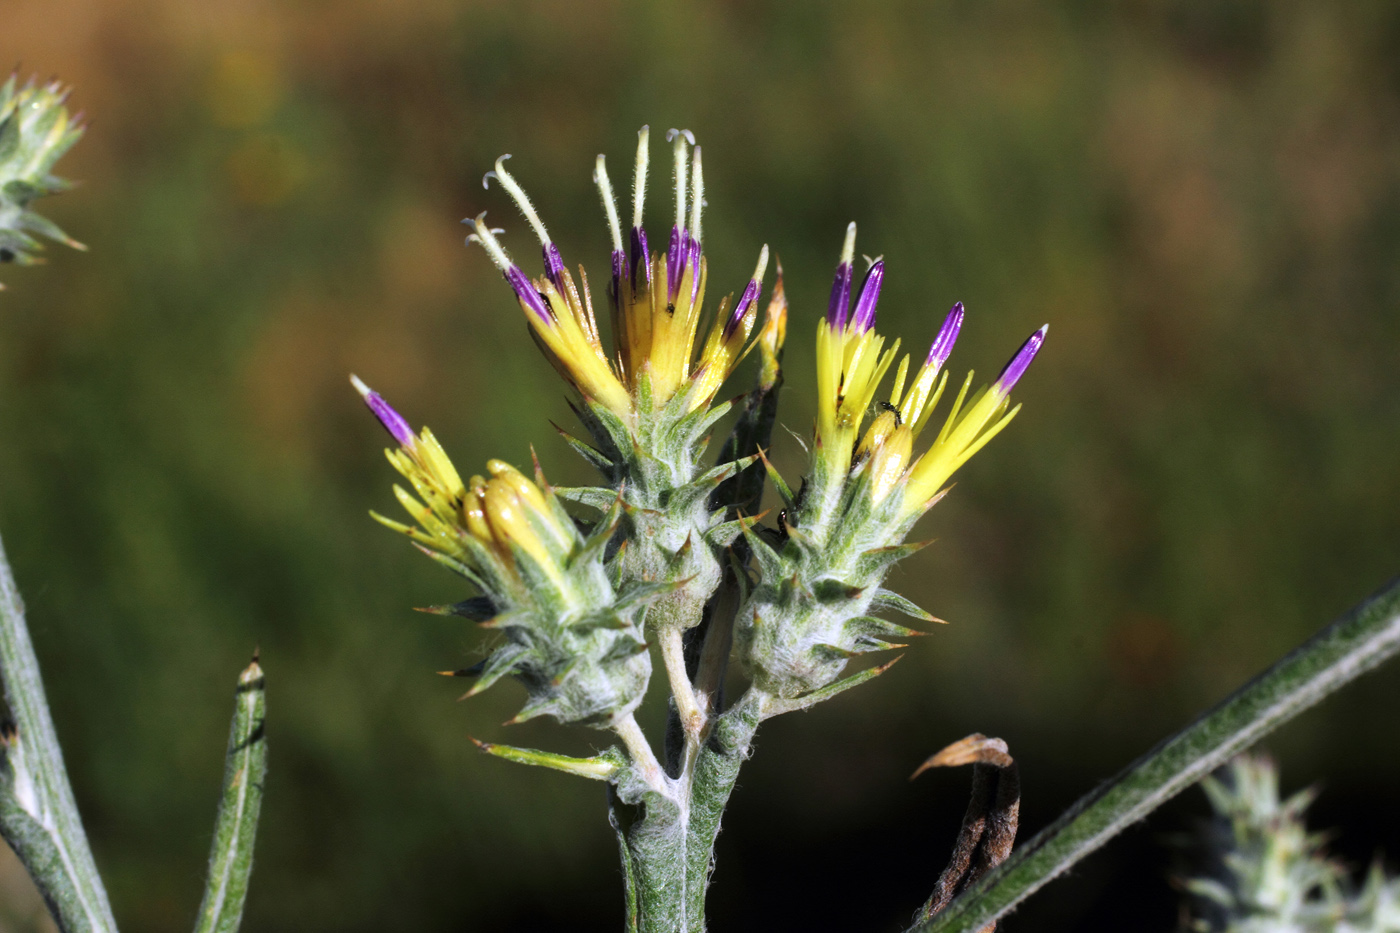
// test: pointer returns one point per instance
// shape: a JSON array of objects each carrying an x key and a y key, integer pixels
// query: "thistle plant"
[
  {"x": 672, "y": 552},
  {"x": 1268, "y": 874},
  {"x": 35, "y": 131}
]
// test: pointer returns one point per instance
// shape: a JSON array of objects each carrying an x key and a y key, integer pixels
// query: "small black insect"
[{"x": 887, "y": 406}]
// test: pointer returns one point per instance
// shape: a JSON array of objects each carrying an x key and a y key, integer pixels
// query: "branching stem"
[{"x": 640, "y": 750}]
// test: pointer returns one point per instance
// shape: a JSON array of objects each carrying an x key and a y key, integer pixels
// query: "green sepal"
[
  {"x": 595, "y": 457},
  {"x": 594, "y": 497},
  {"x": 454, "y": 565},
  {"x": 776, "y": 706},
  {"x": 477, "y": 609},
  {"x": 771, "y": 567},
  {"x": 875, "y": 563},
  {"x": 784, "y": 491},
  {"x": 890, "y": 601},
  {"x": 865, "y": 629},
  {"x": 501, "y": 662}
]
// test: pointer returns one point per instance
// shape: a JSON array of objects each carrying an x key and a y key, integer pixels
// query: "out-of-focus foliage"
[{"x": 1203, "y": 199}]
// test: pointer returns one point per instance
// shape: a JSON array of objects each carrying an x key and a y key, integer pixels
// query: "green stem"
[
  {"x": 1346, "y": 649},
  {"x": 38, "y": 815},
  {"x": 236, "y": 827},
  {"x": 667, "y": 837}
]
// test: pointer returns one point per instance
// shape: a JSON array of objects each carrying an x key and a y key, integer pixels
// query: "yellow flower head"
[
  {"x": 657, "y": 298},
  {"x": 495, "y": 516},
  {"x": 851, "y": 363}
]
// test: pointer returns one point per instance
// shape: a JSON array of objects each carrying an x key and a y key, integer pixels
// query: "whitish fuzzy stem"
[
  {"x": 640, "y": 751},
  {"x": 38, "y": 815},
  {"x": 673, "y": 654}
]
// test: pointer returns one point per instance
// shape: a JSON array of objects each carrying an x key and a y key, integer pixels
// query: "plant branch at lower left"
[{"x": 39, "y": 816}]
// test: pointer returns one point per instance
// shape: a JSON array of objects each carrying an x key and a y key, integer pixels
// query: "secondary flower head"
[
  {"x": 35, "y": 131},
  {"x": 505, "y": 530},
  {"x": 657, "y": 298}
]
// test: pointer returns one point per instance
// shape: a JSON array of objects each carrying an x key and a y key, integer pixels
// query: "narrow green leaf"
[
  {"x": 236, "y": 827},
  {"x": 1346, "y": 649},
  {"x": 599, "y": 768}
]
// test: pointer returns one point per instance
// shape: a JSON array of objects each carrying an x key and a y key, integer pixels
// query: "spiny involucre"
[
  {"x": 1268, "y": 874},
  {"x": 35, "y": 131}
]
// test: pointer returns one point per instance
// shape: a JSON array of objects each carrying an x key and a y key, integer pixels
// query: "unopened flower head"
[
  {"x": 484, "y": 523},
  {"x": 657, "y": 299}
]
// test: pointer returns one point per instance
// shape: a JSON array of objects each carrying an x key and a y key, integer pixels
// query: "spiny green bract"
[
  {"x": 819, "y": 582},
  {"x": 672, "y": 530},
  {"x": 568, "y": 636},
  {"x": 35, "y": 131}
]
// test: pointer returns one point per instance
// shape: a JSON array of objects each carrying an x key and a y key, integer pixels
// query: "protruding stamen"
[
  {"x": 942, "y": 346},
  {"x": 393, "y": 422},
  {"x": 605, "y": 191},
  {"x": 678, "y": 140},
  {"x": 639, "y": 178},
  {"x": 839, "y": 305},
  {"x": 553, "y": 262},
  {"x": 697, "y": 194},
  {"x": 749, "y": 299},
  {"x": 486, "y": 237},
  {"x": 1019, "y": 363},
  {"x": 864, "y": 318},
  {"x": 517, "y": 194}
]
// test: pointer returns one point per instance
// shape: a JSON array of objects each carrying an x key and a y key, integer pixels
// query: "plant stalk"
[{"x": 38, "y": 814}]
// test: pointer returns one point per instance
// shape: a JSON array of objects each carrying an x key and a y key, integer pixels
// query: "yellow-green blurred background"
[{"x": 1202, "y": 198}]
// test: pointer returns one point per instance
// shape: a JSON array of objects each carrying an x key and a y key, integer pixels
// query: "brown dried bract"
[{"x": 989, "y": 826}]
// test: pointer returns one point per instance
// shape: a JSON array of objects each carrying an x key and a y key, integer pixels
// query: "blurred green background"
[{"x": 1203, "y": 198}]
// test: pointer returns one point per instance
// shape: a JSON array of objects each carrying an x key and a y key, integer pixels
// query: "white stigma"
[
  {"x": 762, "y": 266},
  {"x": 639, "y": 179},
  {"x": 360, "y": 386},
  {"x": 522, "y": 201},
  {"x": 678, "y": 140},
  {"x": 697, "y": 195},
  {"x": 605, "y": 191},
  {"x": 485, "y": 236},
  {"x": 848, "y": 249}
]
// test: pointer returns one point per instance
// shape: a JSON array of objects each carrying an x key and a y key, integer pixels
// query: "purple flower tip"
[
  {"x": 746, "y": 302},
  {"x": 554, "y": 266},
  {"x": 947, "y": 336},
  {"x": 840, "y": 304},
  {"x": 676, "y": 256},
  {"x": 641, "y": 256},
  {"x": 393, "y": 422},
  {"x": 527, "y": 292},
  {"x": 869, "y": 296},
  {"x": 619, "y": 267},
  {"x": 1020, "y": 362}
]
